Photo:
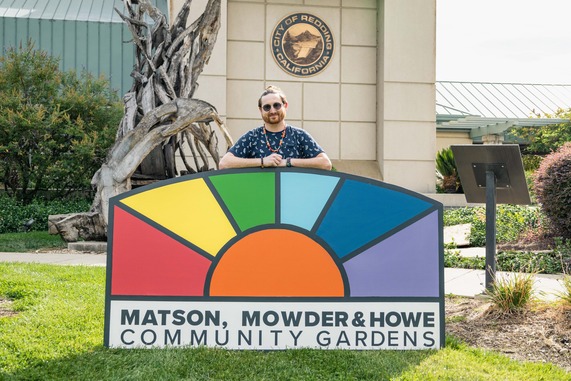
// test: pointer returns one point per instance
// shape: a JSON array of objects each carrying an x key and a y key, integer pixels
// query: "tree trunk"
[
  {"x": 450, "y": 184},
  {"x": 160, "y": 113}
]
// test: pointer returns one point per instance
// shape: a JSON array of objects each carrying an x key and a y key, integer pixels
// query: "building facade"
[
  {"x": 370, "y": 104},
  {"x": 359, "y": 74}
]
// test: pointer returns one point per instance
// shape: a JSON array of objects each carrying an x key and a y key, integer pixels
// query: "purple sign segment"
[{"x": 405, "y": 264}]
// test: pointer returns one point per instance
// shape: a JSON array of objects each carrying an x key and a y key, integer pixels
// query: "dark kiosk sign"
[
  {"x": 302, "y": 44},
  {"x": 274, "y": 259}
]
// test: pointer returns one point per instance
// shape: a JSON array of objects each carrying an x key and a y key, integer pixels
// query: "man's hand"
[{"x": 274, "y": 160}]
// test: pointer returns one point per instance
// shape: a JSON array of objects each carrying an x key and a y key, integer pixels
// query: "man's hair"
[{"x": 272, "y": 90}]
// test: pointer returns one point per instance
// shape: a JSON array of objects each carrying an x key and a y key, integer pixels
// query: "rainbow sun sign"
[{"x": 274, "y": 259}]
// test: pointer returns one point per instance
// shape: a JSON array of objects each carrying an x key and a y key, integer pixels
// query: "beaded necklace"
[{"x": 268, "y": 142}]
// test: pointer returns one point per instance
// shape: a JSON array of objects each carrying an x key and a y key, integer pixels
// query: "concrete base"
[
  {"x": 88, "y": 246},
  {"x": 365, "y": 168},
  {"x": 451, "y": 200}
]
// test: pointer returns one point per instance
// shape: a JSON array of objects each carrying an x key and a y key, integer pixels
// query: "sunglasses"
[{"x": 276, "y": 106}]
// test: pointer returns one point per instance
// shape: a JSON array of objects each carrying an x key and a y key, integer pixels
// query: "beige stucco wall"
[
  {"x": 372, "y": 108},
  {"x": 406, "y": 118},
  {"x": 445, "y": 139},
  {"x": 336, "y": 106}
]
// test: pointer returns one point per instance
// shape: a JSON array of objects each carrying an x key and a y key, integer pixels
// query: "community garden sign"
[{"x": 274, "y": 259}]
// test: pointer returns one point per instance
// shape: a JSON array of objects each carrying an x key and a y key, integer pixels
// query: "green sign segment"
[{"x": 250, "y": 197}]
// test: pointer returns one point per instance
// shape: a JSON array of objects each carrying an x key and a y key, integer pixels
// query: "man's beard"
[{"x": 275, "y": 118}]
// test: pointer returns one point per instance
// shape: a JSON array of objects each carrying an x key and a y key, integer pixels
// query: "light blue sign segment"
[
  {"x": 362, "y": 212},
  {"x": 303, "y": 196}
]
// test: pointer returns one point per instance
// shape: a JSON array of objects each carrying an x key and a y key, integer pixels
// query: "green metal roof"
[
  {"x": 84, "y": 34},
  {"x": 484, "y": 108},
  {"x": 72, "y": 10},
  {"x": 501, "y": 100}
]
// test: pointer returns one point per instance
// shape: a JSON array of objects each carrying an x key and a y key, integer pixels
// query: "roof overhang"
[{"x": 478, "y": 126}]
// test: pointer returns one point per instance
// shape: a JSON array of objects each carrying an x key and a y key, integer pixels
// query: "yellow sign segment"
[{"x": 189, "y": 210}]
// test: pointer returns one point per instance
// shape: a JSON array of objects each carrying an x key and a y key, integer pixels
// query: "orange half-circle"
[{"x": 277, "y": 262}]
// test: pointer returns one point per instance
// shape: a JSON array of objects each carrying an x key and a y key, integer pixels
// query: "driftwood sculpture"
[{"x": 160, "y": 114}]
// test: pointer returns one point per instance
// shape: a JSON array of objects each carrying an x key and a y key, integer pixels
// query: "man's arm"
[
  {"x": 320, "y": 161},
  {"x": 229, "y": 160}
]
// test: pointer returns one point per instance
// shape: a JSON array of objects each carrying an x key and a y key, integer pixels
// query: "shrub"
[
  {"x": 552, "y": 185},
  {"x": 511, "y": 222},
  {"x": 548, "y": 262},
  {"x": 531, "y": 162},
  {"x": 511, "y": 293},
  {"x": 562, "y": 251},
  {"x": 529, "y": 176},
  {"x": 446, "y": 171},
  {"x": 513, "y": 261},
  {"x": 452, "y": 258},
  {"x": 15, "y": 213},
  {"x": 458, "y": 216},
  {"x": 55, "y": 127}
]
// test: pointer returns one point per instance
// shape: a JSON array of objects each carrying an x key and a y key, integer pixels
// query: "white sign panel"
[{"x": 273, "y": 325}]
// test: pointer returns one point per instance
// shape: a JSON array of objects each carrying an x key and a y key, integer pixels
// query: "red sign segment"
[{"x": 146, "y": 261}]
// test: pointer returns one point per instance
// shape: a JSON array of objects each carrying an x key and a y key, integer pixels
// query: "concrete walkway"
[
  {"x": 56, "y": 259},
  {"x": 465, "y": 282},
  {"x": 460, "y": 282},
  {"x": 472, "y": 282}
]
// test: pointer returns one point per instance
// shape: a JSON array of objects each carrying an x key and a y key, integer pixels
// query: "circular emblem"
[{"x": 302, "y": 44}]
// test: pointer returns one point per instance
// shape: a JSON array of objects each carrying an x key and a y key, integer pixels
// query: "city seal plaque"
[{"x": 302, "y": 44}]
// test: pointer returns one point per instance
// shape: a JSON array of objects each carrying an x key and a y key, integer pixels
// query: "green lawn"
[
  {"x": 30, "y": 242},
  {"x": 58, "y": 335}
]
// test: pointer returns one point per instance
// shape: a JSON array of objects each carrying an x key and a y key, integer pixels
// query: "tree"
[
  {"x": 55, "y": 127},
  {"x": 159, "y": 110},
  {"x": 543, "y": 140}
]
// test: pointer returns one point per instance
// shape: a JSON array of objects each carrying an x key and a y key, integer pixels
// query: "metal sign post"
[
  {"x": 490, "y": 229},
  {"x": 491, "y": 174}
]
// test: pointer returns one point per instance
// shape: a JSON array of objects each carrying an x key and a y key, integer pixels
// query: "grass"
[
  {"x": 565, "y": 295},
  {"x": 30, "y": 241},
  {"x": 58, "y": 335},
  {"x": 511, "y": 293}
]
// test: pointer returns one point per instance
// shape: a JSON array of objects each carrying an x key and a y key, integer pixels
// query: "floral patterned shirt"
[{"x": 297, "y": 144}]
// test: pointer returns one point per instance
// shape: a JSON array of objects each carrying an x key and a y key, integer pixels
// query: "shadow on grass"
[
  {"x": 219, "y": 364},
  {"x": 64, "y": 314}
]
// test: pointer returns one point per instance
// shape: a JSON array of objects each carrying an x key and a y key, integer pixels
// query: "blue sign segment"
[
  {"x": 362, "y": 212},
  {"x": 303, "y": 196}
]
